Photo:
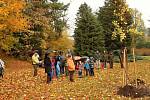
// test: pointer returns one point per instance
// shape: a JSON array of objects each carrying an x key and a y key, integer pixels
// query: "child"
[
  {"x": 80, "y": 64},
  {"x": 53, "y": 67},
  {"x": 66, "y": 67},
  {"x": 86, "y": 65}
]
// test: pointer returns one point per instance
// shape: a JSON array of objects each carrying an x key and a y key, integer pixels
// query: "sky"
[{"x": 141, "y": 5}]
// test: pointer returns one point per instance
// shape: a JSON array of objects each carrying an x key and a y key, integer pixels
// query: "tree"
[
  {"x": 136, "y": 30},
  {"x": 88, "y": 32},
  {"x": 64, "y": 43},
  {"x": 58, "y": 12},
  {"x": 12, "y": 20},
  {"x": 42, "y": 14},
  {"x": 116, "y": 18}
]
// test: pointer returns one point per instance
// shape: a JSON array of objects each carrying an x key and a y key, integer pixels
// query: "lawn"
[
  {"x": 146, "y": 57},
  {"x": 19, "y": 84}
]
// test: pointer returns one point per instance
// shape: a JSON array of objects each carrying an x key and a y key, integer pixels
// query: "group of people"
[
  {"x": 58, "y": 65},
  {"x": 86, "y": 66},
  {"x": 54, "y": 65},
  {"x": 104, "y": 59}
]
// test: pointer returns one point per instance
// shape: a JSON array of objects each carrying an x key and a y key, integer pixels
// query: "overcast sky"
[{"x": 142, "y": 5}]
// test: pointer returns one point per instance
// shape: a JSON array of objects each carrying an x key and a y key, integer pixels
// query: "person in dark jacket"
[
  {"x": 110, "y": 59},
  {"x": 91, "y": 64},
  {"x": 48, "y": 68}
]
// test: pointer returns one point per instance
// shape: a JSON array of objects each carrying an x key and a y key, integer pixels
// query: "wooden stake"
[{"x": 135, "y": 68}]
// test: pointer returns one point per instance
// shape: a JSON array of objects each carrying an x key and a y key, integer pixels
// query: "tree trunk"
[
  {"x": 135, "y": 68},
  {"x": 121, "y": 58}
]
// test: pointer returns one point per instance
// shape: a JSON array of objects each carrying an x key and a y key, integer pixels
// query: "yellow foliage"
[
  {"x": 64, "y": 43},
  {"x": 121, "y": 23},
  {"x": 11, "y": 16},
  {"x": 11, "y": 20}
]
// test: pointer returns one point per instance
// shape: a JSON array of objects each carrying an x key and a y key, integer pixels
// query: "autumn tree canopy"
[{"x": 12, "y": 20}]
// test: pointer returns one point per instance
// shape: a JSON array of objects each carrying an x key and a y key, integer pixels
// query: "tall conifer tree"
[{"x": 88, "y": 33}]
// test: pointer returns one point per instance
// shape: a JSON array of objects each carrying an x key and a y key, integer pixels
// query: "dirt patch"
[{"x": 130, "y": 90}]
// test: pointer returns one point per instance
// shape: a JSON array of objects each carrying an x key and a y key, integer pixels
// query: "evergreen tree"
[
  {"x": 57, "y": 11},
  {"x": 88, "y": 32}
]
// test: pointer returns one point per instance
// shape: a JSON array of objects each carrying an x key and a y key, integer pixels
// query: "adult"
[
  {"x": 35, "y": 62},
  {"x": 48, "y": 67},
  {"x": 71, "y": 67},
  {"x": 91, "y": 64},
  {"x": 105, "y": 59},
  {"x": 97, "y": 57},
  {"x": 110, "y": 59},
  {"x": 62, "y": 63}
]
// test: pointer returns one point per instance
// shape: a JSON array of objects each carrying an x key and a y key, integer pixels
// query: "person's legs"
[
  {"x": 1, "y": 72},
  {"x": 105, "y": 64},
  {"x": 35, "y": 70},
  {"x": 48, "y": 77},
  {"x": 80, "y": 73},
  {"x": 63, "y": 70},
  {"x": 99, "y": 63},
  {"x": 57, "y": 70},
  {"x": 66, "y": 71},
  {"x": 71, "y": 76},
  {"x": 102, "y": 65},
  {"x": 86, "y": 72},
  {"x": 92, "y": 71},
  {"x": 51, "y": 76},
  {"x": 96, "y": 63},
  {"x": 111, "y": 64},
  {"x": 52, "y": 72}
]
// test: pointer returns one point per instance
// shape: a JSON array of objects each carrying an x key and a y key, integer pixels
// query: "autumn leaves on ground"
[{"x": 19, "y": 84}]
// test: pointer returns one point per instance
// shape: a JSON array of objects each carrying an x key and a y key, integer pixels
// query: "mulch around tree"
[{"x": 130, "y": 90}]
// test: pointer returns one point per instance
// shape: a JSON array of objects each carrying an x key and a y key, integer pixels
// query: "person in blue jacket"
[{"x": 86, "y": 65}]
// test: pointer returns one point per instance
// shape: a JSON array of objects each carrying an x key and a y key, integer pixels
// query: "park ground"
[{"x": 19, "y": 84}]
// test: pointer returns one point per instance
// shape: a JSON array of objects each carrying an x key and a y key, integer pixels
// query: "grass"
[
  {"x": 146, "y": 57},
  {"x": 21, "y": 85}
]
